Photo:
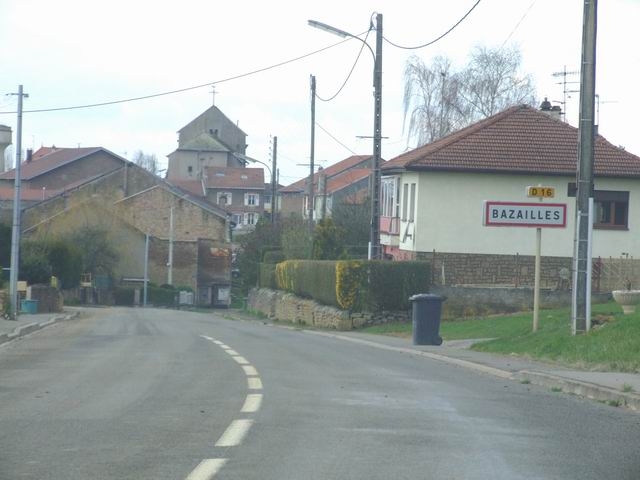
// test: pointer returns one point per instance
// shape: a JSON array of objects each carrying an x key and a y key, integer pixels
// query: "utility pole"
[
  {"x": 374, "y": 236},
  {"x": 274, "y": 203},
  {"x": 584, "y": 196},
  {"x": 146, "y": 269},
  {"x": 17, "y": 211},
  {"x": 311, "y": 159},
  {"x": 170, "y": 262}
]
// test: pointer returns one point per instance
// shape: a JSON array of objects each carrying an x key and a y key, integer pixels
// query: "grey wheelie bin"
[{"x": 425, "y": 316}]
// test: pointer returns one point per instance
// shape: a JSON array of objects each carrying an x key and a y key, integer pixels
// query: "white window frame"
[
  {"x": 248, "y": 197},
  {"x": 224, "y": 194},
  {"x": 251, "y": 218}
]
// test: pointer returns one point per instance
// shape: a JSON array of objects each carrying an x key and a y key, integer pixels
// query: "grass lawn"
[{"x": 613, "y": 346}]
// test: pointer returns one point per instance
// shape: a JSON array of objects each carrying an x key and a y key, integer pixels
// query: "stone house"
[
  {"x": 209, "y": 140},
  {"x": 129, "y": 202},
  {"x": 432, "y": 199}
]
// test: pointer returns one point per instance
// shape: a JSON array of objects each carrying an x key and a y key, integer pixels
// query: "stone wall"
[
  {"x": 512, "y": 270},
  {"x": 286, "y": 307}
]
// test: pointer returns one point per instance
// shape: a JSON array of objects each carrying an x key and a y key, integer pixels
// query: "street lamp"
[{"x": 374, "y": 233}]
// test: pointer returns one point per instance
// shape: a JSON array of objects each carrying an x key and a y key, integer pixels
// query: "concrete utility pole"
[
  {"x": 377, "y": 144},
  {"x": 584, "y": 195},
  {"x": 17, "y": 224},
  {"x": 170, "y": 262},
  {"x": 146, "y": 269},
  {"x": 274, "y": 160},
  {"x": 311, "y": 159}
]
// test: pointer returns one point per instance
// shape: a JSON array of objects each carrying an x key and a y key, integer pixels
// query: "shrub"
[
  {"x": 392, "y": 283},
  {"x": 309, "y": 279},
  {"x": 267, "y": 276},
  {"x": 273, "y": 256}
]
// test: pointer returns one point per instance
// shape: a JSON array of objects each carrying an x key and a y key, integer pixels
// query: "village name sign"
[{"x": 518, "y": 214}]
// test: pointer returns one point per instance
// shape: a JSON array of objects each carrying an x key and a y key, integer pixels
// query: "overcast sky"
[{"x": 80, "y": 52}]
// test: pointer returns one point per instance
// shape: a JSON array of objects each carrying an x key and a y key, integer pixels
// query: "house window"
[
  {"x": 610, "y": 208},
  {"x": 405, "y": 197},
  {"x": 224, "y": 198},
  {"x": 251, "y": 218},
  {"x": 190, "y": 170},
  {"x": 251, "y": 199},
  {"x": 388, "y": 190},
  {"x": 412, "y": 204},
  {"x": 237, "y": 218}
]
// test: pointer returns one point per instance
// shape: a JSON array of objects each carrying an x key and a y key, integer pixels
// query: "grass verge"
[{"x": 612, "y": 345}]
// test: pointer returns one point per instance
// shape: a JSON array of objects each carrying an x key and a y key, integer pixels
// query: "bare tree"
[
  {"x": 146, "y": 161},
  {"x": 439, "y": 100}
]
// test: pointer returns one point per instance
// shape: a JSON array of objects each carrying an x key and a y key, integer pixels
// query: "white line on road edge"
[
  {"x": 254, "y": 383},
  {"x": 252, "y": 403},
  {"x": 250, "y": 370},
  {"x": 207, "y": 338},
  {"x": 218, "y": 342},
  {"x": 235, "y": 433},
  {"x": 241, "y": 360},
  {"x": 207, "y": 468},
  {"x": 443, "y": 358},
  {"x": 231, "y": 352}
]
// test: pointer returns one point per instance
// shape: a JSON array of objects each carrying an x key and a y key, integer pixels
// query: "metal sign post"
[{"x": 538, "y": 215}]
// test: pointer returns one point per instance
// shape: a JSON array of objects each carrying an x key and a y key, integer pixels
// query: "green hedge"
[
  {"x": 267, "y": 276},
  {"x": 356, "y": 285}
]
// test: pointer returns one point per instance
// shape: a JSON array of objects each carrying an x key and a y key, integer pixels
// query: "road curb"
[
  {"x": 23, "y": 330},
  {"x": 583, "y": 389}
]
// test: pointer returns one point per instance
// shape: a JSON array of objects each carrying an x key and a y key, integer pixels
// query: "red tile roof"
[
  {"x": 229, "y": 177},
  {"x": 50, "y": 161},
  {"x": 194, "y": 187},
  {"x": 347, "y": 178},
  {"x": 330, "y": 171},
  {"x": 520, "y": 139}
]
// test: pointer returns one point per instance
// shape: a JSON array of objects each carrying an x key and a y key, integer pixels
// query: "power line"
[
  {"x": 334, "y": 138},
  {"x": 181, "y": 90},
  {"x": 518, "y": 24},
  {"x": 349, "y": 75},
  {"x": 440, "y": 37}
]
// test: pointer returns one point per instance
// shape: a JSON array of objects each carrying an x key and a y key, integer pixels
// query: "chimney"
[
  {"x": 553, "y": 111},
  {"x": 29, "y": 155}
]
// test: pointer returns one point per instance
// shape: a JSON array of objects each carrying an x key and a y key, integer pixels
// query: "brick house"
[
  {"x": 240, "y": 191},
  {"x": 432, "y": 199}
]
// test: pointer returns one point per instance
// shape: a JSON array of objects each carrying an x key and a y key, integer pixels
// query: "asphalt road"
[{"x": 160, "y": 394}]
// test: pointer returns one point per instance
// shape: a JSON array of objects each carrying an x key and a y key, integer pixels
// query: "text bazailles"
[
  {"x": 519, "y": 214},
  {"x": 515, "y": 214}
]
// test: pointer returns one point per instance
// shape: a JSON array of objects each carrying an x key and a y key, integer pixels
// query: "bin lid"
[{"x": 424, "y": 296}]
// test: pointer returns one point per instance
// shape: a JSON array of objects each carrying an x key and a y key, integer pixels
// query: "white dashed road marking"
[
  {"x": 238, "y": 429},
  {"x": 252, "y": 403},
  {"x": 206, "y": 469},
  {"x": 235, "y": 433}
]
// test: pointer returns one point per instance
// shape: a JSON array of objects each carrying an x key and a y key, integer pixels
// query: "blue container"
[{"x": 29, "y": 306}]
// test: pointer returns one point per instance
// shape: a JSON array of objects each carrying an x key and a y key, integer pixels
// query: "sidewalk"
[
  {"x": 614, "y": 388},
  {"x": 27, "y": 323}
]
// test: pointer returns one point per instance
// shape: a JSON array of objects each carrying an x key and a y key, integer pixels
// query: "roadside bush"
[
  {"x": 309, "y": 279},
  {"x": 267, "y": 275},
  {"x": 273, "y": 256},
  {"x": 356, "y": 285},
  {"x": 392, "y": 283}
]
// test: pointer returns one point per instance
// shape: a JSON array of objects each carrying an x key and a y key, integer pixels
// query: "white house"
[{"x": 432, "y": 199}]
